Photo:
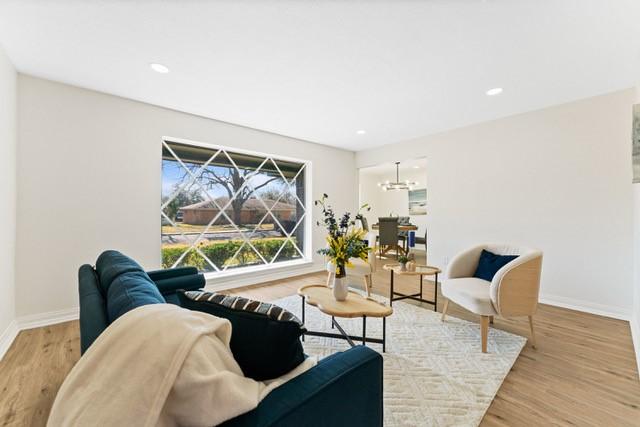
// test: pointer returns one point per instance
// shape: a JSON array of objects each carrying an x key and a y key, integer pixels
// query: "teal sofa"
[{"x": 344, "y": 389}]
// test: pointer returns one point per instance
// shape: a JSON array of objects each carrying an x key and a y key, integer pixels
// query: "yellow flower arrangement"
[{"x": 345, "y": 240}]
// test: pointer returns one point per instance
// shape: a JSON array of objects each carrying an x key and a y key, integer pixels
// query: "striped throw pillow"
[{"x": 244, "y": 304}]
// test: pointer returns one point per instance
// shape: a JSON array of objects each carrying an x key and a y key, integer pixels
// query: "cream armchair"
[
  {"x": 363, "y": 269},
  {"x": 512, "y": 292}
]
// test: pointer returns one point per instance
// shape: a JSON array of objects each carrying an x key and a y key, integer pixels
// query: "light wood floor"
[{"x": 583, "y": 372}]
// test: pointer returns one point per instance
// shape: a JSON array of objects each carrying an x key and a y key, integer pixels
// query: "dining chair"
[
  {"x": 365, "y": 227},
  {"x": 423, "y": 240},
  {"x": 364, "y": 223},
  {"x": 388, "y": 234},
  {"x": 403, "y": 236},
  {"x": 358, "y": 268}
]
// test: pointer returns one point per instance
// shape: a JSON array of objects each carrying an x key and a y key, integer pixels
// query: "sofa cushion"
[
  {"x": 489, "y": 264},
  {"x": 130, "y": 290},
  {"x": 111, "y": 264},
  {"x": 125, "y": 284},
  {"x": 471, "y": 293},
  {"x": 265, "y": 338}
]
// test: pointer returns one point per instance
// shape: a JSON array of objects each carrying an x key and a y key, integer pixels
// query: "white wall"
[
  {"x": 635, "y": 318},
  {"x": 89, "y": 180},
  {"x": 397, "y": 202},
  {"x": 7, "y": 200},
  {"x": 556, "y": 179}
]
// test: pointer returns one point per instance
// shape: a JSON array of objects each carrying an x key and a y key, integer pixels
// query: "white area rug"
[{"x": 434, "y": 372}]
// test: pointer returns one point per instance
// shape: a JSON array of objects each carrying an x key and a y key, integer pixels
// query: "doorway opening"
[{"x": 379, "y": 186}]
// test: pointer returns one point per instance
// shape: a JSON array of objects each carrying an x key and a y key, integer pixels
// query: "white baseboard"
[
  {"x": 7, "y": 337},
  {"x": 586, "y": 306},
  {"x": 49, "y": 318},
  {"x": 34, "y": 321},
  {"x": 635, "y": 334}
]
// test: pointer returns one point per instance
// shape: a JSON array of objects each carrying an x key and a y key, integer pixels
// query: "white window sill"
[{"x": 217, "y": 281}]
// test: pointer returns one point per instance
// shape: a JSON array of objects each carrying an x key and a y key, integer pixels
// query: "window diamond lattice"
[{"x": 275, "y": 224}]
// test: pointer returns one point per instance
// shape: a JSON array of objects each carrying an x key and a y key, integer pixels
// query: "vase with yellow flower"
[{"x": 344, "y": 241}]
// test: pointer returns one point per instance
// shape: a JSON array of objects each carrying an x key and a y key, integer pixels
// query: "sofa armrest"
[
  {"x": 93, "y": 307},
  {"x": 170, "y": 273},
  {"x": 344, "y": 389},
  {"x": 170, "y": 280}
]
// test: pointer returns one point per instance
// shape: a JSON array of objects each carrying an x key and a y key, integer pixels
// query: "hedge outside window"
[{"x": 223, "y": 209}]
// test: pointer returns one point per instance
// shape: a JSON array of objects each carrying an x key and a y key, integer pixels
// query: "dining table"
[{"x": 401, "y": 227}]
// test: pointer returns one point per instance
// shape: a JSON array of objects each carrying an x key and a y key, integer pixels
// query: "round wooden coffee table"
[
  {"x": 420, "y": 270},
  {"x": 355, "y": 305}
]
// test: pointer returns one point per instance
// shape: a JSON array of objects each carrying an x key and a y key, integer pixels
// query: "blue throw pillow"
[{"x": 490, "y": 263}]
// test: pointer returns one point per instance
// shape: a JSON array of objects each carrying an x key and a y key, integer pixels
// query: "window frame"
[{"x": 307, "y": 221}]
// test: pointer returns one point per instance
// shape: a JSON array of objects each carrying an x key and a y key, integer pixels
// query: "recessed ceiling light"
[
  {"x": 416, "y": 167},
  {"x": 159, "y": 68},
  {"x": 361, "y": 132},
  {"x": 494, "y": 91}
]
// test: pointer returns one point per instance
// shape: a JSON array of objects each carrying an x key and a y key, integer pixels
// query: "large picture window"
[{"x": 224, "y": 209}]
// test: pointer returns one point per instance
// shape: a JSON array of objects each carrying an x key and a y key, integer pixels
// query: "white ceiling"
[{"x": 321, "y": 70}]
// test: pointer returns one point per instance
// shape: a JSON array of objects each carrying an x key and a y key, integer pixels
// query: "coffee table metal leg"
[
  {"x": 333, "y": 319},
  {"x": 303, "y": 316},
  {"x": 352, "y": 338},
  {"x": 344, "y": 334},
  {"x": 435, "y": 295},
  {"x": 384, "y": 334},
  {"x": 364, "y": 330},
  {"x": 391, "y": 294}
]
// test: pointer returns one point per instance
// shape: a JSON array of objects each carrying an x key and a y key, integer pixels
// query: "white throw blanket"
[{"x": 160, "y": 365}]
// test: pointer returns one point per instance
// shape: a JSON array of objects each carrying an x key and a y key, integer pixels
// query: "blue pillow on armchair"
[{"x": 489, "y": 264}]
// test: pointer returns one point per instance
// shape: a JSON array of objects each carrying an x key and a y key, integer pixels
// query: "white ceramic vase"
[{"x": 340, "y": 288}]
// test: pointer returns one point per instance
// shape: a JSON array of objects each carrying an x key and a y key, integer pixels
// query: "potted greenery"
[
  {"x": 403, "y": 260},
  {"x": 344, "y": 241}
]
